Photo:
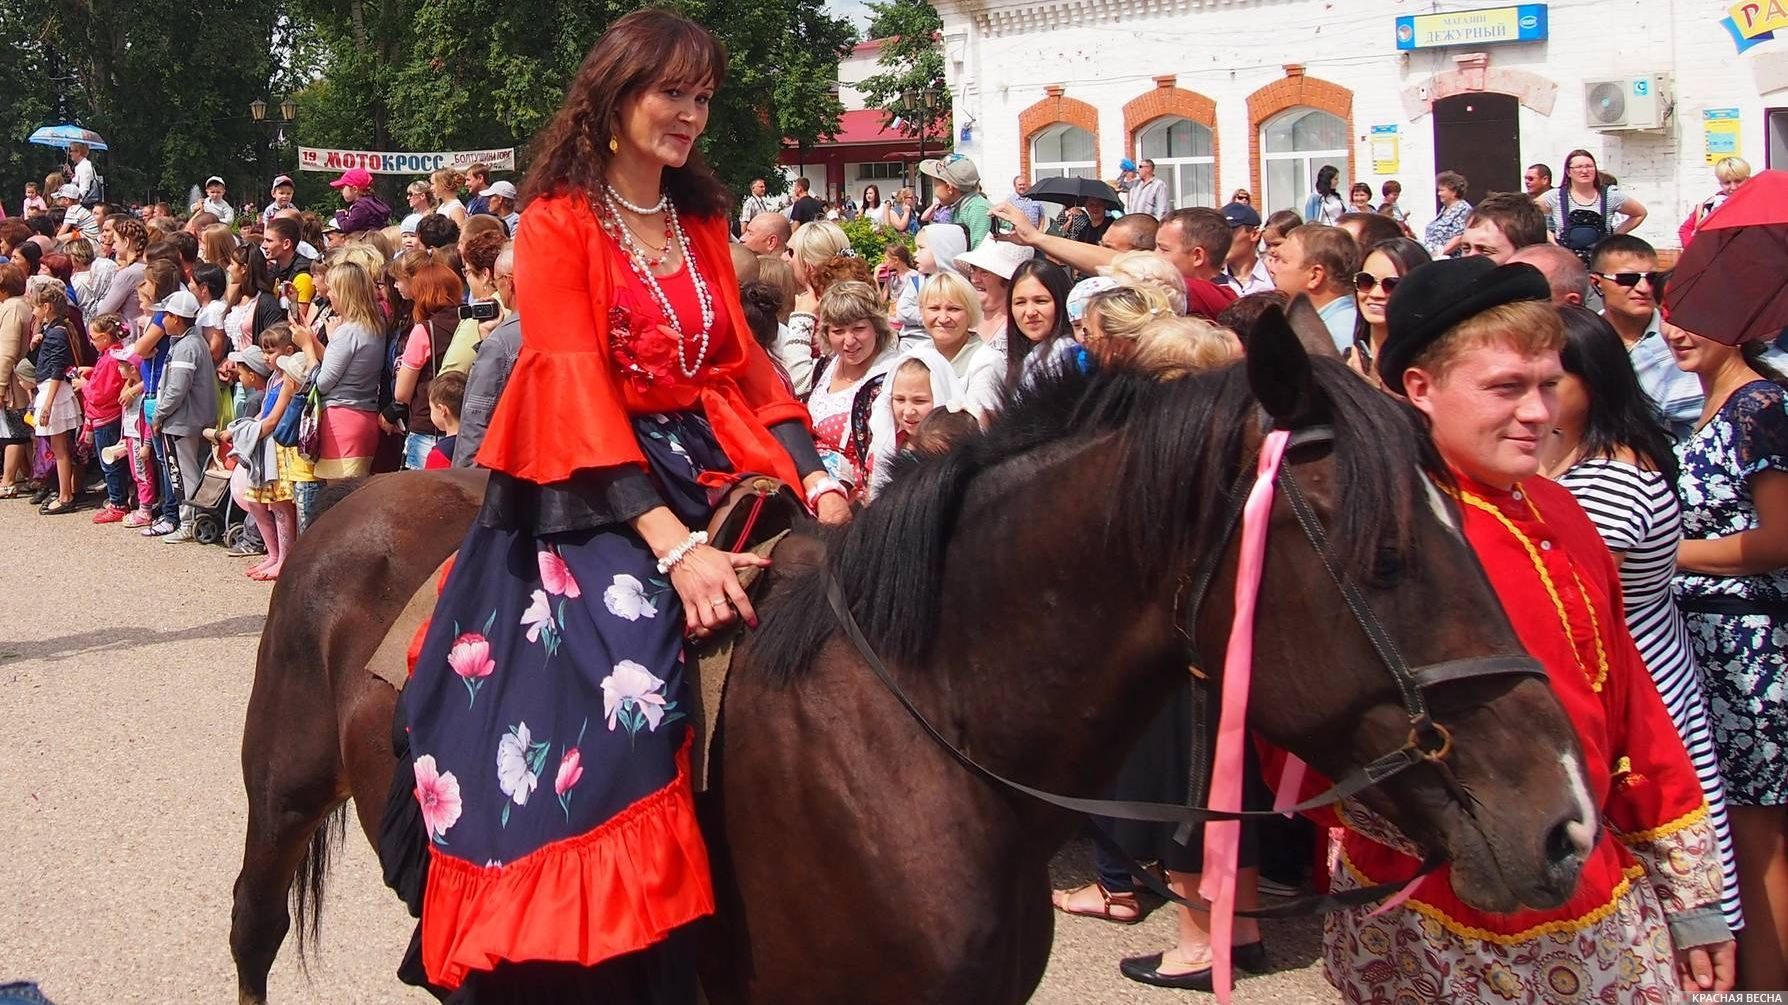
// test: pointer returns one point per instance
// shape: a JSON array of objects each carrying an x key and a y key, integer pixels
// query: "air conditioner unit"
[{"x": 1639, "y": 101}]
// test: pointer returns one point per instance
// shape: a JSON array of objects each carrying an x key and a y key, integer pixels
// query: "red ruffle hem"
[{"x": 611, "y": 891}]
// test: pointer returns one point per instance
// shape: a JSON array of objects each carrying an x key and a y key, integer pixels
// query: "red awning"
[{"x": 865, "y": 126}]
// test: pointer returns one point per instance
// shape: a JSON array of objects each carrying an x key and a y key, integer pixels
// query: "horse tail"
[{"x": 311, "y": 881}]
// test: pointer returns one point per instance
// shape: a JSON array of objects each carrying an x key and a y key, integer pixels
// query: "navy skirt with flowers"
[{"x": 547, "y": 732}]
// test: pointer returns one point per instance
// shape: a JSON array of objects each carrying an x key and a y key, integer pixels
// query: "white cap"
[
  {"x": 68, "y": 192},
  {"x": 214, "y": 180},
  {"x": 1002, "y": 258},
  {"x": 501, "y": 189},
  {"x": 180, "y": 304}
]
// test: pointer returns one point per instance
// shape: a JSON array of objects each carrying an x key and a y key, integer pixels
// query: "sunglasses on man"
[
  {"x": 1631, "y": 279},
  {"x": 1365, "y": 281}
]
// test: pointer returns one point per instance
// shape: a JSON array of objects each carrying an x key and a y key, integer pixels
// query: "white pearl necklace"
[
  {"x": 638, "y": 258},
  {"x": 615, "y": 196}
]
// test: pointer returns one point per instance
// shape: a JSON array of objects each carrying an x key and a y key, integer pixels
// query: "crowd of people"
[
  {"x": 143, "y": 354},
  {"x": 279, "y": 350}
]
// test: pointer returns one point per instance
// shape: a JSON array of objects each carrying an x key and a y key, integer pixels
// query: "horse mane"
[{"x": 1179, "y": 444}]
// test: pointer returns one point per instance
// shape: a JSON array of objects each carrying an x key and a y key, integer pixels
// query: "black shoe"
[
  {"x": 1147, "y": 969},
  {"x": 43, "y": 495}
]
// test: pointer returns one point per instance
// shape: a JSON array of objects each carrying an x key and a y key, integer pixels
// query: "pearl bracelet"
[{"x": 681, "y": 551}]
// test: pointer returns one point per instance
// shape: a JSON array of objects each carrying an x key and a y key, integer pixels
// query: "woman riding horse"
[{"x": 555, "y": 655}]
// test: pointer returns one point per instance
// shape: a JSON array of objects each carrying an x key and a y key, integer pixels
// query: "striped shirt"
[{"x": 1638, "y": 517}]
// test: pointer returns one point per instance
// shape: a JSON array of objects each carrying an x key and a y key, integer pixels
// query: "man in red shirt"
[{"x": 1475, "y": 348}]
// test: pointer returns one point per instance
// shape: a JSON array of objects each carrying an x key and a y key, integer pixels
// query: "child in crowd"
[
  {"x": 446, "y": 393},
  {"x": 256, "y": 481},
  {"x": 282, "y": 198},
  {"x": 185, "y": 406},
  {"x": 922, "y": 381},
  {"x": 99, "y": 387},
  {"x": 92, "y": 278},
  {"x": 56, "y": 414},
  {"x": 34, "y": 204},
  {"x": 294, "y": 468},
  {"x": 1272, "y": 233},
  {"x": 208, "y": 284},
  {"x": 134, "y": 449}
]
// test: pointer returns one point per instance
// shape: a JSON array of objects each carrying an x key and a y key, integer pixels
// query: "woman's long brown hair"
[{"x": 643, "y": 49}]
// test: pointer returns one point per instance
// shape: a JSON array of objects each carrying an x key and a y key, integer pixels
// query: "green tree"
[{"x": 914, "y": 67}]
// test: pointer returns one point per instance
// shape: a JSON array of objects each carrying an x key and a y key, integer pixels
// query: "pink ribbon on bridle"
[{"x": 1222, "y": 838}]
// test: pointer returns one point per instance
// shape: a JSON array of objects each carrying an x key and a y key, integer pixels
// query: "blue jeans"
[
  {"x": 167, "y": 500},
  {"x": 416, "y": 449},
  {"x": 305, "y": 495},
  {"x": 118, "y": 472}
]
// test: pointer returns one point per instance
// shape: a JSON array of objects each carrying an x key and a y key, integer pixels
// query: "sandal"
[
  {"x": 1124, "y": 899},
  {"x": 56, "y": 507},
  {"x": 11, "y": 491}
]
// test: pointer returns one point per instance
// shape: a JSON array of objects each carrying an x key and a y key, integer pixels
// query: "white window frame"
[
  {"x": 1270, "y": 202},
  {"x": 1175, "y": 196},
  {"x": 1060, "y": 169}
]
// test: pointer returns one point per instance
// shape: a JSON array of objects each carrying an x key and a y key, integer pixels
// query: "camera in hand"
[
  {"x": 1000, "y": 225},
  {"x": 479, "y": 310}
]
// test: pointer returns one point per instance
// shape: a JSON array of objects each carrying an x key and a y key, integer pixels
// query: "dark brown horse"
[{"x": 1027, "y": 589}]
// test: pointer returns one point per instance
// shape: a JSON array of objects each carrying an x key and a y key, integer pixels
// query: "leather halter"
[{"x": 1429, "y": 742}]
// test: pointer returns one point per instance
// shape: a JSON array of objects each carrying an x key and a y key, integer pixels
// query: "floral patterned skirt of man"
[{"x": 543, "y": 751}]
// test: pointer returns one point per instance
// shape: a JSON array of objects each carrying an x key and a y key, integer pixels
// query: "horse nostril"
[{"x": 1569, "y": 839}]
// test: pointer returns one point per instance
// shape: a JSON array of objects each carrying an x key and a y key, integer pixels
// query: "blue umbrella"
[{"x": 68, "y": 133}]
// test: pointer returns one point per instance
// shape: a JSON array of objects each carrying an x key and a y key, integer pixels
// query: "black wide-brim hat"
[{"x": 1436, "y": 296}]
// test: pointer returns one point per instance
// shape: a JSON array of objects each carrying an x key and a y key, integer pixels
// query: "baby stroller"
[{"x": 216, "y": 520}]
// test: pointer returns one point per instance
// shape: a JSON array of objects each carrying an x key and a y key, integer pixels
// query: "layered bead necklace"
[{"x": 642, "y": 262}]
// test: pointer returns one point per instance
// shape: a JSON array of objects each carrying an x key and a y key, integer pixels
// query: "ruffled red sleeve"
[{"x": 562, "y": 410}]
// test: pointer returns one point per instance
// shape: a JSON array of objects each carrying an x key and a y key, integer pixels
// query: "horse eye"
[{"x": 1387, "y": 568}]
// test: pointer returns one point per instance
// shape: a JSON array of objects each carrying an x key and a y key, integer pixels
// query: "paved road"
[{"x": 121, "y": 806}]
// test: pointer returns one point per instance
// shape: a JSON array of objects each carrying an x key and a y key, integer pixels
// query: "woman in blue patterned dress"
[
  {"x": 1733, "y": 590},
  {"x": 544, "y": 829}
]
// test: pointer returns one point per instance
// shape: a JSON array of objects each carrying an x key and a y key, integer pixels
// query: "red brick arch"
[
  {"x": 1165, "y": 100},
  {"x": 1055, "y": 109},
  {"x": 1293, "y": 91}
]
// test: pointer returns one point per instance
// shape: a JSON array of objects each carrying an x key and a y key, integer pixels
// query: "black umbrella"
[{"x": 1072, "y": 191}]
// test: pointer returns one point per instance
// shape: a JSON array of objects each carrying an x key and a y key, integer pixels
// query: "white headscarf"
[
  {"x": 946, "y": 241},
  {"x": 946, "y": 392}
]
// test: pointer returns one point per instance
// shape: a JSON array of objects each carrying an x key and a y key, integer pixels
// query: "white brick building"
[{"x": 1255, "y": 94}]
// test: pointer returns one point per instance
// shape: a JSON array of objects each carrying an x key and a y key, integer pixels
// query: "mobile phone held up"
[
  {"x": 1000, "y": 225},
  {"x": 479, "y": 310}
]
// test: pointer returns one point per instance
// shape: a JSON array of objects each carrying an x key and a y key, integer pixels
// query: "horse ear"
[
  {"x": 1310, "y": 328},
  {"x": 1279, "y": 371}
]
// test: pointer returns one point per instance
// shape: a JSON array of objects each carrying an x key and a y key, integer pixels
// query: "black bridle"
[{"x": 1429, "y": 742}]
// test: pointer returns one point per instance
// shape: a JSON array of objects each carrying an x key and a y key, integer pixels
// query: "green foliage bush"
[{"x": 869, "y": 241}]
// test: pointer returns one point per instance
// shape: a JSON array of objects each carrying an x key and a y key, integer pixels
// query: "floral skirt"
[
  {"x": 1743, "y": 660},
  {"x": 548, "y": 738}
]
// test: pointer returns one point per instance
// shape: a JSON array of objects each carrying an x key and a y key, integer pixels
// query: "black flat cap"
[{"x": 1435, "y": 297}]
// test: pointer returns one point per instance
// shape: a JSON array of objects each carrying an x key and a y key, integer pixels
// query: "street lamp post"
[
  {"x": 257, "y": 110},
  {"x": 918, "y": 105}
]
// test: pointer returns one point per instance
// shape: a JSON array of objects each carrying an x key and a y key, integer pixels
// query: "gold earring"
[{"x": 614, "y": 145}]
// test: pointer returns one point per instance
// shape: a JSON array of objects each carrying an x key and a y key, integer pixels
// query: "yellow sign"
[
  {"x": 1758, "y": 17},
  {"x": 1720, "y": 132},
  {"x": 1386, "y": 151}
]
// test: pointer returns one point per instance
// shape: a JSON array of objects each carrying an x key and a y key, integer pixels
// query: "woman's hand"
[
  {"x": 806, "y": 302},
  {"x": 833, "y": 510},
  {"x": 707, "y": 582},
  {"x": 1708, "y": 968}
]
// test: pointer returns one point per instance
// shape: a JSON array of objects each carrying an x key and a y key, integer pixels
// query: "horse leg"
[
  {"x": 366, "y": 749},
  {"x": 292, "y": 771}
]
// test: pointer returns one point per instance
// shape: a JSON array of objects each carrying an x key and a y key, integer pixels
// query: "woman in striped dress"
[{"x": 1611, "y": 449}]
